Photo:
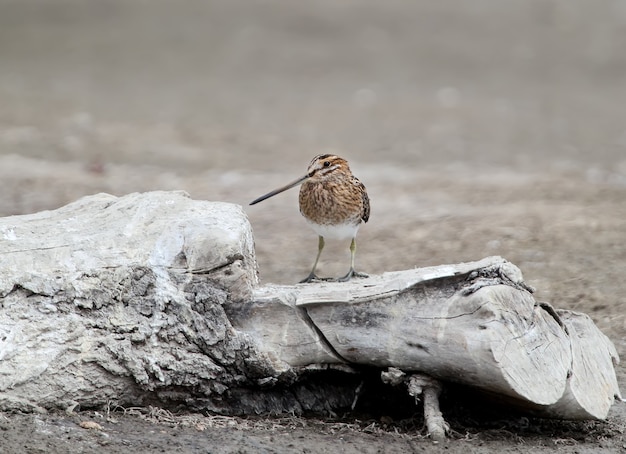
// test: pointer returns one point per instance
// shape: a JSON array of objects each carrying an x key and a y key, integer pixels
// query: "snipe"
[{"x": 334, "y": 203}]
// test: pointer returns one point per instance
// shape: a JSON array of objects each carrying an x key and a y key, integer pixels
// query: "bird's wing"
[{"x": 365, "y": 215}]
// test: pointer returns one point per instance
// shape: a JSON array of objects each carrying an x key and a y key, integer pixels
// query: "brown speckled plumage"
[
  {"x": 333, "y": 201},
  {"x": 332, "y": 195}
]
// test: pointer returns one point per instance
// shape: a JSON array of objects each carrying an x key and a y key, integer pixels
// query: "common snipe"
[{"x": 334, "y": 203}]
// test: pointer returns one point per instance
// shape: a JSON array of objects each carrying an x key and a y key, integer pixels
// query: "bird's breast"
[
  {"x": 330, "y": 203},
  {"x": 335, "y": 231}
]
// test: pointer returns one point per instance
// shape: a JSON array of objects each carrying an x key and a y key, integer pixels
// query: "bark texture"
[{"x": 154, "y": 298}]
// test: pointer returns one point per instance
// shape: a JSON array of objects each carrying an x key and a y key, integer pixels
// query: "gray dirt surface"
[{"x": 479, "y": 128}]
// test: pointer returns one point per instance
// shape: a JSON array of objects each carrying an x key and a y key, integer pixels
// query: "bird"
[{"x": 333, "y": 202}]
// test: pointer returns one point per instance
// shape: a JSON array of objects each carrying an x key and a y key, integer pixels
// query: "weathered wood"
[
  {"x": 473, "y": 323},
  {"x": 424, "y": 387},
  {"x": 154, "y": 297},
  {"x": 591, "y": 385},
  {"x": 121, "y": 300},
  {"x": 420, "y": 385}
]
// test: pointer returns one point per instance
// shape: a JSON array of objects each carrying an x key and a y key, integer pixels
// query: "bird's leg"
[
  {"x": 312, "y": 276},
  {"x": 352, "y": 273}
]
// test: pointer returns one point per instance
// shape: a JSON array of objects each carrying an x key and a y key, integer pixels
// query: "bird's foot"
[
  {"x": 352, "y": 273},
  {"x": 314, "y": 278}
]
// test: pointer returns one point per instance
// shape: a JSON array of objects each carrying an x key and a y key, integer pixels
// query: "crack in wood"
[
  {"x": 311, "y": 324},
  {"x": 229, "y": 261},
  {"x": 21, "y": 251}
]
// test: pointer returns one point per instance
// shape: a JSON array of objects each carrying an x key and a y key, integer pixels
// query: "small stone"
[{"x": 90, "y": 425}]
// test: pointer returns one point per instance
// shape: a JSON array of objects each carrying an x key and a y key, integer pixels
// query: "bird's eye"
[{"x": 326, "y": 163}]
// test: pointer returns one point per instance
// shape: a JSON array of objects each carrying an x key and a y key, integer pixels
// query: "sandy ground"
[{"x": 479, "y": 128}]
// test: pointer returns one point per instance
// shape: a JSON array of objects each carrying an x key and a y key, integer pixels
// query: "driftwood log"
[{"x": 154, "y": 298}]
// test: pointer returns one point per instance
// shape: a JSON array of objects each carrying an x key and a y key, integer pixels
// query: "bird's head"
[{"x": 326, "y": 165}]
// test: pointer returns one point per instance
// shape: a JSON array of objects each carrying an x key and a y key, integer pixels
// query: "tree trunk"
[{"x": 154, "y": 298}]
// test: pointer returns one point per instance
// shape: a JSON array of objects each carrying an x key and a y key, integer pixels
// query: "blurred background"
[
  {"x": 264, "y": 85},
  {"x": 479, "y": 128}
]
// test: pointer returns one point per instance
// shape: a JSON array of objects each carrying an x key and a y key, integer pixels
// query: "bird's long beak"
[{"x": 279, "y": 190}]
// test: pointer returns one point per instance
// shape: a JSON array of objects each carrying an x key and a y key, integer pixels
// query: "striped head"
[{"x": 325, "y": 166}]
